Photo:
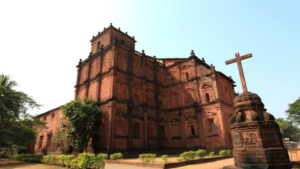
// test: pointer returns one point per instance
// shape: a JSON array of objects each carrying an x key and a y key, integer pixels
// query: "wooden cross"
[{"x": 238, "y": 59}]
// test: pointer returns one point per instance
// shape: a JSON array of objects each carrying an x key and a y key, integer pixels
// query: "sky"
[{"x": 41, "y": 42}]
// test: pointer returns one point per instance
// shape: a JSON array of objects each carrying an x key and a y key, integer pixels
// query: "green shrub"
[
  {"x": 179, "y": 159},
  {"x": 190, "y": 155},
  {"x": 200, "y": 153},
  {"x": 146, "y": 158},
  {"x": 105, "y": 156},
  {"x": 28, "y": 157},
  {"x": 211, "y": 154},
  {"x": 68, "y": 160},
  {"x": 223, "y": 153},
  {"x": 3, "y": 156},
  {"x": 229, "y": 152},
  {"x": 116, "y": 156},
  {"x": 164, "y": 158}
]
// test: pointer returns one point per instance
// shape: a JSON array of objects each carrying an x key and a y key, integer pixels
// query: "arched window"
[
  {"x": 207, "y": 97},
  {"x": 187, "y": 76},
  {"x": 98, "y": 46}
]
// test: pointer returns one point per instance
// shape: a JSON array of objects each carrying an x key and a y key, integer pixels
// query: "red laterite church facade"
[{"x": 149, "y": 102}]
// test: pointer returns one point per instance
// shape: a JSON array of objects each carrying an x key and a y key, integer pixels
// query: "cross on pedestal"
[{"x": 238, "y": 60}]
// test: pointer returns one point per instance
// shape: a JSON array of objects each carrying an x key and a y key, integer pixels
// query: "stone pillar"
[{"x": 257, "y": 142}]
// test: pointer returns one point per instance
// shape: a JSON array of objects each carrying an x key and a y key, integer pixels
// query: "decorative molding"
[
  {"x": 193, "y": 136},
  {"x": 121, "y": 114},
  {"x": 162, "y": 120},
  {"x": 174, "y": 120},
  {"x": 151, "y": 118},
  {"x": 136, "y": 116},
  {"x": 176, "y": 138},
  {"x": 193, "y": 117},
  {"x": 212, "y": 135}
]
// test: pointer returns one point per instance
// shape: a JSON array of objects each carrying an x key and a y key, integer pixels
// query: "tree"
[
  {"x": 61, "y": 139},
  {"x": 293, "y": 112},
  {"x": 18, "y": 129},
  {"x": 84, "y": 122},
  {"x": 288, "y": 130}
]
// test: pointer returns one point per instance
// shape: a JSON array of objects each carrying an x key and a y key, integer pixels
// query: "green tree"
[
  {"x": 84, "y": 122},
  {"x": 18, "y": 129},
  {"x": 61, "y": 139},
  {"x": 288, "y": 130},
  {"x": 293, "y": 112}
]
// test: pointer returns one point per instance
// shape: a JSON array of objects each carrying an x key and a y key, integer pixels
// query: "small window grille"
[
  {"x": 136, "y": 129},
  {"x": 162, "y": 131}
]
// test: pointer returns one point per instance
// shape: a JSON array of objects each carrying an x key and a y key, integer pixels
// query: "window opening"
[
  {"x": 136, "y": 98},
  {"x": 45, "y": 117},
  {"x": 207, "y": 97},
  {"x": 187, "y": 76},
  {"x": 172, "y": 80},
  {"x": 212, "y": 125},
  {"x": 192, "y": 130},
  {"x": 41, "y": 141},
  {"x": 160, "y": 104},
  {"x": 136, "y": 129},
  {"x": 98, "y": 46},
  {"x": 53, "y": 115},
  {"x": 122, "y": 42},
  {"x": 162, "y": 131},
  {"x": 48, "y": 140}
]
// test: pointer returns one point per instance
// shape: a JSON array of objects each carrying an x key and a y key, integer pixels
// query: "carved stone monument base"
[{"x": 256, "y": 139}]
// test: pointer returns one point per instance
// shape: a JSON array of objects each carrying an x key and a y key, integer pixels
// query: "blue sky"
[{"x": 42, "y": 42}]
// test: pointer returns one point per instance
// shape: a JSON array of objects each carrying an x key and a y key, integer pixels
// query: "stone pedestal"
[{"x": 256, "y": 138}]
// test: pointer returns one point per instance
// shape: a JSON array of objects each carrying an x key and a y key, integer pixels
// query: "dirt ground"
[{"x": 10, "y": 164}]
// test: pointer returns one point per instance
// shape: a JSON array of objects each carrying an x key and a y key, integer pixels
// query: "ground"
[{"x": 10, "y": 164}]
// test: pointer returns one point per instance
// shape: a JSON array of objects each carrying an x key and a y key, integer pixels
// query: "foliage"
[
  {"x": 84, "y": 117},
  {"x": 28, "y": 157},
  {"x": 17, "y": 127},
  {"x": 179, "y": 159},
  {"x": 223, "y": 153},
  {"x": 3, "y": 156},
  {"x": 201, "y": 153},
  {"x": 293, "y": 112},
  {"x": 211, "y": 154},
  {"x": 116, "y": 156},
  {"x": 189, "y": 155},
  {"x": 164, "y": 158},
  {"x": 288, "y": 130},
  {"x": 103, "y": 155},
  {"x": 61, "y": 140},
  {"x": 229, "y": 152},
  {"x": 146, "y": 158},
  {"x": 83, "y": 161}
]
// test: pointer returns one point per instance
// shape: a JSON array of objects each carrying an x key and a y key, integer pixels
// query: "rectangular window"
[
  {"x": 45, "y": 117},
  {"x": 162, "y": 131},
  {"x": 41, "y": 141},
  {"x": 192, "y": 130},
  {"x": 187, "y": 76},
  {"x": 207, "y": 97},
  {"x": 160, "y": 104},
  {"x": 136, "y": 130},
  {"x": 212, "y": 125},
  {"x": 52, "y": 115},
  {"x": 48, "y": 140},
  {"x": 135, "y": 100}
]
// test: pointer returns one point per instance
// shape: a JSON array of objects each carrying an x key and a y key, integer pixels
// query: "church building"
[{"x": 148, "y": 102}]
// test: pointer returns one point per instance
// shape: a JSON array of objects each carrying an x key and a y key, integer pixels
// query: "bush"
[
  {"x": 3, "y": 156},
  {"x": 68, "y": 160},
  {"x": 200, "y": 153},
  {"x": 223, "y": 153},
  {"x": 179, "y": 159},
  {"x": 103, "y": 155},
  {"x": 146, "y": 158},
  {"x": 164, "y": 158},
  {"x": 211, "y": 154},
  {"x": 229, "y": 152},
  {"x": 116, "y": 156},
  {"x": 28, "y": 157},
  {"x": 190, "y": 155}
]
